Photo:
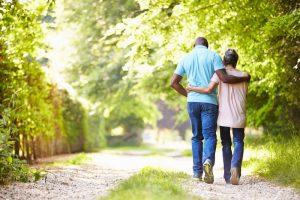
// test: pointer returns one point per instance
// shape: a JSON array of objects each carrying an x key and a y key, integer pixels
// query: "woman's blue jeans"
[
  {"x": 236, "y": 159},
  {"x": 203, "y": 117}
]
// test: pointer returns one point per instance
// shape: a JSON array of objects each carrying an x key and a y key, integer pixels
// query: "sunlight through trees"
[{"x": 72, "y": 71}]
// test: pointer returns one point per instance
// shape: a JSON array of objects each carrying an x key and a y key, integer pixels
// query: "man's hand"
[{"x": 175, "y": 83}]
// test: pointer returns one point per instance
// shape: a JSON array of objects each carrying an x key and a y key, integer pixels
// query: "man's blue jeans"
[
  {"x": 236, "y": 159},
  {"x": 203, "y": 117}
]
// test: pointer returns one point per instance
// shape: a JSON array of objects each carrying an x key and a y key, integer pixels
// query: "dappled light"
[{"x": 90, "y": 99}]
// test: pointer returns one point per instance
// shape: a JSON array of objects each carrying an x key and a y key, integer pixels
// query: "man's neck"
[{"x": 200, "y": 45}]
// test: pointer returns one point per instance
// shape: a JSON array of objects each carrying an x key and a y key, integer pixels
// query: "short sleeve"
[
  {"x": 218, "y": 64},
  {"x": 215, "y": 78},
  {"x": 180, "y": 69}
]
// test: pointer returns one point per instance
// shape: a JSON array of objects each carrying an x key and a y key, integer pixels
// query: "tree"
[
  {"x": 96, "y": 71},
  {"x": 265, "y": 33}
]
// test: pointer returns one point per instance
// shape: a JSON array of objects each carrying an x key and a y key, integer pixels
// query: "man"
[
  {"x": 232, "y": 114},
  {"x": 200, "y": 65}
]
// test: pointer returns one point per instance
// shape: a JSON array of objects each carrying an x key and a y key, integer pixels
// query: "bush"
[{"x": 11, "y": 168}]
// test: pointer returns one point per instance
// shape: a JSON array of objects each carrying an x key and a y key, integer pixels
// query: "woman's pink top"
[{"x": 232, "y": 100}]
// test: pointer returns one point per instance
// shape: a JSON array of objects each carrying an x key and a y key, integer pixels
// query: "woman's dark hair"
[{"x": 231, "y": 57}]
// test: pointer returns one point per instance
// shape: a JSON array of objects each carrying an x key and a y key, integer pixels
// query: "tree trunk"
[
  {"x": 27, "y": 147},
  {"x": 17, "y": 145},
  {"x": 33, "y": 147}
]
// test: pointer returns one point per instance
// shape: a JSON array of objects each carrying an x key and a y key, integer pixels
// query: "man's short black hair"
[
  {"x": 201, "y": 41},
  {"x": 231, "y": 57}
]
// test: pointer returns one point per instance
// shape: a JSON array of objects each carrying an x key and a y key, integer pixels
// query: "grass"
[
  {"x": 152, "y": 184},
  {"x": 276, "y": 159},
  {"x": 79, "y": 159},
  {"x": 187, "y": 152},
  {"x": 146, "y": 150}
]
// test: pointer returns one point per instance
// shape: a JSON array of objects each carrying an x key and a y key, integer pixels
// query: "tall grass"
[
  {"x": 151, "y": 184},
  {"x": 277, "y": 158}
]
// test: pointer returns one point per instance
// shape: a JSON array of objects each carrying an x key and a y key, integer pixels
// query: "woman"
[{"x": 232, "y": 115}]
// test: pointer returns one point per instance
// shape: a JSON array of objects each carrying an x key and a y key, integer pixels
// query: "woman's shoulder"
[{"x": 235, "y": 72}]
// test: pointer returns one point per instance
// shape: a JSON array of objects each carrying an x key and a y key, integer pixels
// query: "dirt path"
[
  {"x": 71, "y": 182},
  {"x": 107, "y": 169}
]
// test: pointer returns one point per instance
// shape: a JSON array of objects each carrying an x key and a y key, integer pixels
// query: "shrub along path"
[{"x": 95, "y": 178}]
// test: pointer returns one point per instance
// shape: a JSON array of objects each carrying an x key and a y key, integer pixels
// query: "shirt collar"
[
  {"x": 229, "y": 67},
  {"x": 200, "y": 46}
]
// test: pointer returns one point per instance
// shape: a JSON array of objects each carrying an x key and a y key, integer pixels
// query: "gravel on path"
[
  {"x": 250, "y": 188},
  {"x": 71, "y": 182},
  {"x": 107, "y": 169}
]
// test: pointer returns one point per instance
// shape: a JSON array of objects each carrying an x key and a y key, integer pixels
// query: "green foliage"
[
  {"x": 265, "y": 33},
  {"x": 150, "y": 184},
  {"x": 23, "y": 89},
  {"x": 96, "y": 68},
  {"x": 124, "y": 53},
  {"x": 75, "y": 120},
  {"x": 33, "y": 113},
  {"x": 96, "y": 137},
  {"x": 11, "y": 168}
]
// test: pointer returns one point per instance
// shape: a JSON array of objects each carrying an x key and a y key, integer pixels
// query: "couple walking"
[{"x": 205, "y": 71}]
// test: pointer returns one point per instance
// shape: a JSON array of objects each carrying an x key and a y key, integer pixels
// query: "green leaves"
[
  {"x": 152, "y": 37},
  {"x": 264, "y": 33},
  {"x": 97, "y": 70},
  {"x": 25, "y": 112},
  {"x": 9, "y": 160}
]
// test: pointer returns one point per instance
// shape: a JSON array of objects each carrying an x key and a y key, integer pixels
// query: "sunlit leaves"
[
  {"x": 98, "y": 71},
  {"x": 265, "y": 34}
]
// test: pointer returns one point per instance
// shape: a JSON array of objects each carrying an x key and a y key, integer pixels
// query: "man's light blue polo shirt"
[{"x": 200, "y": 65}]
